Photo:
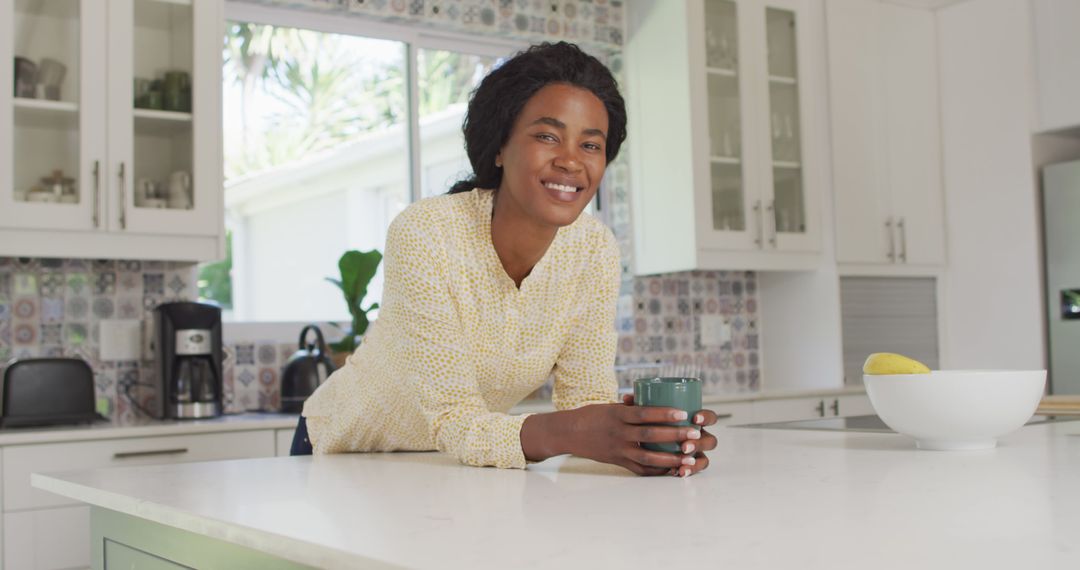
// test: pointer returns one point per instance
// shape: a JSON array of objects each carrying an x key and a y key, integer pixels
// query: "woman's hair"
[{"x": 498, "y": 100}]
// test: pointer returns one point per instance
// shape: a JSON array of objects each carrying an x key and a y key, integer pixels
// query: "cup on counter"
[
  {"x": 25, "y": 77},
  {"x": 176, "y": 92},
  {"x": 679, "y": 393}
]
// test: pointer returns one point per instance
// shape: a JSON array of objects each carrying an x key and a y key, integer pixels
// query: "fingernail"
[
  {"x": 679, "y": 416},
  {"x": 688, "y": 461},
  {"x": 693, "y": 434},
  {"x": 698, "y": 419},
  {"x": 686, "y": 473},
  {"x": 689, "y": 448}
]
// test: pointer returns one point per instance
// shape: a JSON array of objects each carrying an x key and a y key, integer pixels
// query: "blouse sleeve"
[
  {"x": 435, "y": 357},
  {"x": 585, "y": 369}
]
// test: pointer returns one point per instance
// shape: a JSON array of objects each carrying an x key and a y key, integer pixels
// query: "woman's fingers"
[
  {"x": 704, "y": 418},
  {"x": 658, "y": 458},
  {"x": 701, "y": 462},
  {"x": 651, "y": 414},
  {"x": 661, "y": 434}
]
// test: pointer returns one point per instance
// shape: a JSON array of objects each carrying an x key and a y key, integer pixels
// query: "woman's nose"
[{"x": 567, "y": 160}]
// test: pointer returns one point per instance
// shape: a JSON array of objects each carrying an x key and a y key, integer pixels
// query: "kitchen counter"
[
  {"x": 771, "y": 499},
  {"x": 145, "y": 428}
]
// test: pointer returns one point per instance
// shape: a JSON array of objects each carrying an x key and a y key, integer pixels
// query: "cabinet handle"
[
  {"x": 148, "y": 453},
  {"x": 835, "y": 407},
  {"x": 97, "y": 193},
  {"x": 760, "y": 224},
  {"x": 903, "y": 240},
  {"x": 123, "y": 206},
  {"x": 723, "y": 416},
  {"x": 772, "y": 222},
  {"x": 892, "y": 240},
  {"x": 820, "y": 408}
]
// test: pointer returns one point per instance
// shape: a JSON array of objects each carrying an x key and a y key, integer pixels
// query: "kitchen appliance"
[
  {"x": 305, "y": 370},
  {"x": 48, "y": 391},
  {"x": 189, "y": 356},
  {"x": 1061, "y": 208}
]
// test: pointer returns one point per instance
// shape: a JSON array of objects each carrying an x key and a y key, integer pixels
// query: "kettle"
[{"x": 305, "y": 370}]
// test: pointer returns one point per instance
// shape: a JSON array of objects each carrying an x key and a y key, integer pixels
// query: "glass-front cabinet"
[
  {"x": 101, "y": 107},
  {"x": 717, "y": 102}
]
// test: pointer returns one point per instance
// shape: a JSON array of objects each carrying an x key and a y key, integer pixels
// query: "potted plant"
[{"x": 357, "y": 268}]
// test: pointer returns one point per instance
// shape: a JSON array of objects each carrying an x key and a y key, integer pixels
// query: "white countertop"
[
  {"x": 771, "y": 499},
  {"x": 146, "y": 428}
]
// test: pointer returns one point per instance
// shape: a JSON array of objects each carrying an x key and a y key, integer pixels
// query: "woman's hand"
[
  {"x": 696, "y": 448},
  {"x": 610, "y": 433}
]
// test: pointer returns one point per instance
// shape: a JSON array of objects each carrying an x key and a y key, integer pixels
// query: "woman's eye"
[
  {"x": 592, "y": 146},
  {"x": 546, "y": 137}
]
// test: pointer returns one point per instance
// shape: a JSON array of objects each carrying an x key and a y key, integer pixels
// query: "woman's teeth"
[{"x": 560, "y": 187}]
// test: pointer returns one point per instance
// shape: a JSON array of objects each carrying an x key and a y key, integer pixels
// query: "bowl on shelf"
[{"x": 956, "y": 409}]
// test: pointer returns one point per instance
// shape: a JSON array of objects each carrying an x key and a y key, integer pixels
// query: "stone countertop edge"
[
  {"x": 540, "y": 406},
  {"x": 149, "y": 428},
  {"x": 262, "y": 541}
]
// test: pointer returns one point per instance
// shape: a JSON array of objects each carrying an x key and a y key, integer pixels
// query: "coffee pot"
[{"x": 305, "y": 370}]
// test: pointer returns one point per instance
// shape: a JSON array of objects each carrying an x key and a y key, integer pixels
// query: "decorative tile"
[
  {"x": 25, "y": 335},
  {"x": 25, "y": 308},
  {"x": 245, "y": 354},
  {"x": 78, "y": 308},
  {"x": 51, "y": 284},
  {"x": 75, "y": 334},
  {"x": 105, "y": 283},
  {"x": 51, "y": 334},
  {"x": 104, "y": 307},
  {"x": 77, "y": 283},
  {"x": 52, "y": 310},
  {"x": 154, "y": 283},
  {"x": 267, "y": 354}
]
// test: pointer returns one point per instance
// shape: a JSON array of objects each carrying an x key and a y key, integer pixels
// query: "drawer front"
[
  {"x": 284, "y": 439},
  {"x": 120, "y": 556},
  {"x": 766, "y": 411},
  {"x": 22, "y": 460},
  {"x": 856, "y": 405},
  {"x": 48, "y": 539},
  {"x": 733, "y": 414}
]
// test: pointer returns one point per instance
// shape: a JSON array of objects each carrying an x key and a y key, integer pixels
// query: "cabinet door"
[
  {"x": 853, "y": 405},
  {"x": 1058, "y": 69},
  {"x": 164, "y": 95},
  {"x": 728, "y": 214},
  {"x": 910, "y": 92},
  {"x": 863, "y": 227},
  {"x": 789, "y": 210},
  {"x": 52, "y": 114},
  {"x": 47, "y": 539}
]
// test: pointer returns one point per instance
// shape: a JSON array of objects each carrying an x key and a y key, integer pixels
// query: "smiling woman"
[{"x": 500, "y": 283}]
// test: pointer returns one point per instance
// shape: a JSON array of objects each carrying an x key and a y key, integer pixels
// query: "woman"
[{"x": 491, "y": 288}]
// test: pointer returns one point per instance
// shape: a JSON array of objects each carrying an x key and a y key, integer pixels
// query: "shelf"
[
  {"x": 42, "y": 113},
  {"x": 781, "y": 80},
  {"x": 722, "y": 71},
  {"x": 157, "y": 123},
  {"x": 725, "y": 160},
  {"x": 787, "y": 165}
]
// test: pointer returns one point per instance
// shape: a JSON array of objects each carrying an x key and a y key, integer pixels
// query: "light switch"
[
  {"x": 714, "y": 330},
  {"x": 120, "y": 339}
]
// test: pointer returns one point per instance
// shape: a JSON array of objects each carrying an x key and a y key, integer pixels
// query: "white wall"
[{"x": 993, "y": 298}]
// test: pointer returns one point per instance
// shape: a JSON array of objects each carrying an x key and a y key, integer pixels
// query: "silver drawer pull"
[
  {"x": 723, "y": 417},
  {"x": 130, "y": 454}
]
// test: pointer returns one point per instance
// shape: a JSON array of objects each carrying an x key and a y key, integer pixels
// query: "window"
[{"x": 319, "y": 156}]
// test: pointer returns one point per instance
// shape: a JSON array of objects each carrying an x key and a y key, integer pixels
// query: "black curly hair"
[{"x": 497, "y": 101}]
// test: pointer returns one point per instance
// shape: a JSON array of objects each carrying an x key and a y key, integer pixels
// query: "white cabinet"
[
  {"x": 1057, "y": 68},
  {"x": 886, "y": 136},
  {"x": 791, "y": 409},
  {"x": 718, "y": 96},
  {"x": 43, "y": 531},
  {"x": 110, "y": 128},
  {"x": 283, "y": 441}
]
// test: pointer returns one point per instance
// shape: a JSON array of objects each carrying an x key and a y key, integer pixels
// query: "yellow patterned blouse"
[{"x": 457, "y": 343}]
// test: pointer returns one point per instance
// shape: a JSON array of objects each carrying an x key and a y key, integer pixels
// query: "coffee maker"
[{"x": 189, "y": 356}]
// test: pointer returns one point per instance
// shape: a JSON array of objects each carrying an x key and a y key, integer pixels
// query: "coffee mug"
[
  {"x": 180, "y": 190},
  {"x": 680, "y": 393}
]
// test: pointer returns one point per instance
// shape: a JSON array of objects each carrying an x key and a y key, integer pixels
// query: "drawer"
[
  {"x": 739, "y": 412},
  {"x": 854, "y": 405},
  {"x": 789, "y": 409},
  {"x": 119, "y": 556},
  {"x": 48, "y": 539},
  {"x": 284, "y": 439},
  {"x": 22, "y": 460}
]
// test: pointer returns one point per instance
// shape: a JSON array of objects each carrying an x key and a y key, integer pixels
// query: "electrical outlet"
[
  {"x": 120, "y": 339},
  {"x": 714, "y": 330}
]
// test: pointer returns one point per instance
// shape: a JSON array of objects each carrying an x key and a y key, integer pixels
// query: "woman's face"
[{"x": 555, "y": 156}]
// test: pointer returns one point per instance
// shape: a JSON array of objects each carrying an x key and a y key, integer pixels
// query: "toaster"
[{"x": 47, "y": 391}]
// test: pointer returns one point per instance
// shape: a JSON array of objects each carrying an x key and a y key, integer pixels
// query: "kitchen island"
[{"x": 771, "y": 499}]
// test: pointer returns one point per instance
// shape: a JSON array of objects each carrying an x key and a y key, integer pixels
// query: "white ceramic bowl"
[{"x": 956, "y": 409}]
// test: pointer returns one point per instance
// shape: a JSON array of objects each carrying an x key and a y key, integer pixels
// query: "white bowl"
[{"x": 956, "y": 409}]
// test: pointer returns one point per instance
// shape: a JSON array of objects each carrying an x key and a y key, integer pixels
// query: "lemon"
[{"x": 889, "y": 363}]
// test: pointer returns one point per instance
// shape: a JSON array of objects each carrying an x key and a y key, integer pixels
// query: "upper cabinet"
[
  {"x": 886, "y": 138},
  {"x": 717, "y": 99},
  {"x": 1057, "y": 43},
  {"x": 99, "y": 118}
]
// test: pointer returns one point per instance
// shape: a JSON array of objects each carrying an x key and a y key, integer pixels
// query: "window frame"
[{"x": 414, "y": 38}]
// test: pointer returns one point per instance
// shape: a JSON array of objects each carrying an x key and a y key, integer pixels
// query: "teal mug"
[{"x": 680, "y": 393}]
